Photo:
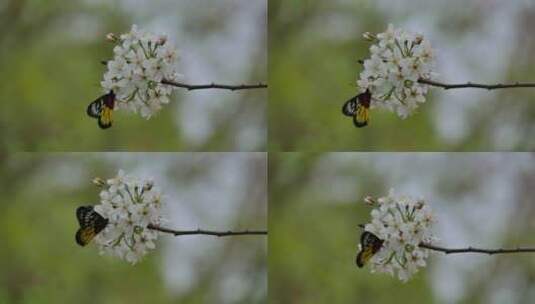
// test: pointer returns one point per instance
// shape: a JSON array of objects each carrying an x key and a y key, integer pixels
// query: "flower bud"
[
  {"x": 368, "y": 200},
  {"x": 419, "y": 204},
  {"x": 369, "y": 36},
  {"x": 148, "y": 186},
  {"x": 162, "y": 39},
  {"x": 99, "y": 182},
  {"x": 418, "y": 39},
  {"x": 112, "y": 37}
]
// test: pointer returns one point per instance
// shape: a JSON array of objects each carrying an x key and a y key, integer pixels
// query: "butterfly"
[
  {"x": 91, "y": 223},
  {"x": 370, "y": 245},
  {"x": 358, "y": 107},
  {"x": 102, "y": 109}
]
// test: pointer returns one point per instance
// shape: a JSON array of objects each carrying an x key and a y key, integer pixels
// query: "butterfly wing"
[
  {"x": 91, "y": 223},
  {"x": 83, "y": 215},
  {"x": 370, "y": 244},
  {"x": 361, "y": 117},
  {"x": 350, "y": 107},
  {"x": 364, "y": 255},
  {"x": 358, "y": 107},
  {"x": 95, "y": 108},
  {"x": 85, "y": 235},
  {"x": 105, "y": 119},
  {"x": 102, "y": 109}
]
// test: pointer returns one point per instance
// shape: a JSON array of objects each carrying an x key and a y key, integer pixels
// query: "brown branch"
[
  {"x": 191, "y": 87},
  {"x": 471, "y": 249},
  {"x": 447, "y": 86},
  {"x": 207, "y": 232},
  {"x": 475, "y": 250}
]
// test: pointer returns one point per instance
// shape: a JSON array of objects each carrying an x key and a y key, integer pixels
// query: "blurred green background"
[
  {"x": 479, "y": 199},
  {"x": 41, "y": 263},
  {"x": 314, "y": 46},
  {"x": 50, "y": 53}
]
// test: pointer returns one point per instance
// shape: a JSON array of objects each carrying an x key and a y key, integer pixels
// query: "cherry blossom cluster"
[
  {"x": 398, "y": 60},
  {"x": 141, "y": 61},
  {"x": 402, "y": 223},
  {"x": 130, "y": 205}
]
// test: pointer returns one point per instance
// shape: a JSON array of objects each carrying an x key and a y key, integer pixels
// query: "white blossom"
[
  {"x": 398, "y": 60},
  {"x": 141, "y": 61},
  {"x": 130, "y": 205},
  {"x": 402, "y": 223}
]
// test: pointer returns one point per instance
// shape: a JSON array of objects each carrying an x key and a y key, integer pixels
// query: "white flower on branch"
[
  {"x": 398, "y": 60},
  {"x": 141, "y": 61},
  {"x": 402, "y": 223},
  {"x": 130, "y": 205}
]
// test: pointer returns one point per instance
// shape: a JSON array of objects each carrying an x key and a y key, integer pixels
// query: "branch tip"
[
  {"x": 469, "y": 84},
  {"x": 471, "y": 249},
  {"x": 199, "y": 231}
]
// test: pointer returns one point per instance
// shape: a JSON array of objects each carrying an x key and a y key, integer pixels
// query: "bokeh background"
[
  {"x": 479, "y": 199},
  {"x": 50, "y": 53},
  {"x": 40, "y": 261},
  {"x": 314, "y": 46}
]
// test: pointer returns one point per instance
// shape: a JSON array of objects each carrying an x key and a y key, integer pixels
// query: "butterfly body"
[
  {"x": 358, "y": 107},
  {"x": 91, "y": 223},
  {"x": 370, "y": 244},
  {"x": 102, "y": 109}
]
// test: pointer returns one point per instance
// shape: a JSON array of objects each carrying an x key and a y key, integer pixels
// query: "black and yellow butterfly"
[
  {"x": 370, "y": 244},
  {"x": 102, "y": 109},
  {"x": 358, "y": 107},
  {"x": 91, "y": 223}
]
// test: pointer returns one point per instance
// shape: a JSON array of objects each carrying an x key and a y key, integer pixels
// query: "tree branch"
[
  {"x": 471, "y": 249},
  {"x": 475, "y": 250},
  {"x": 447, "y": 86},
  {"x": 206, "y": 232},
  {"x": 191, "y": 87}
]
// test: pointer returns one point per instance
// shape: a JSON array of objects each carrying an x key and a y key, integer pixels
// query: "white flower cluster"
[
  {"x": 402, "y": 223},
  {"x": 398, "y": 59},
  {"x": 130, "y": 205},
  {"x": 141, "y": 60}
]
